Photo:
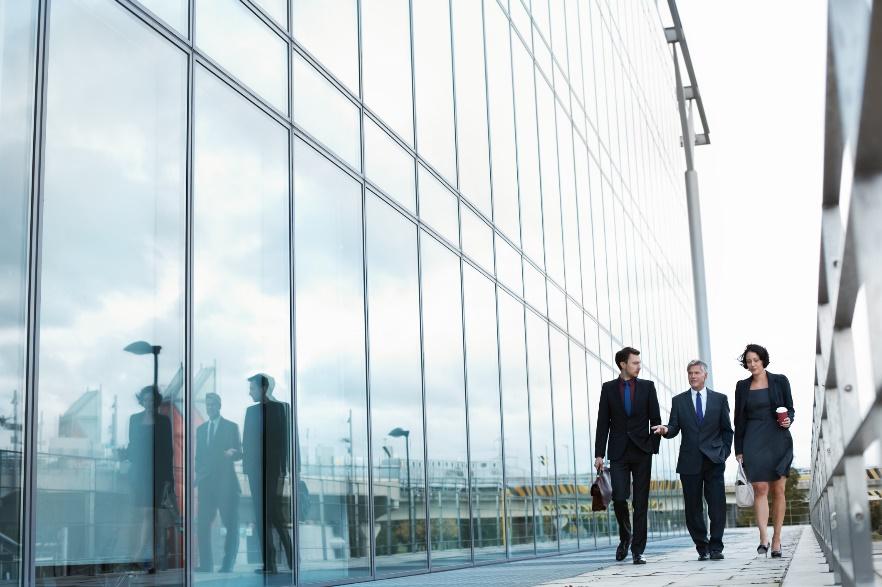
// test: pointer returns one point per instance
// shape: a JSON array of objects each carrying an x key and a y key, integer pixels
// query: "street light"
[
  {"x": 398, "y": 433},
  {"x": 145, "y": 348}
]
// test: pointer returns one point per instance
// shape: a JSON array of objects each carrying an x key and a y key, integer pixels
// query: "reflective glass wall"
[{"x": 325, "y": 290}]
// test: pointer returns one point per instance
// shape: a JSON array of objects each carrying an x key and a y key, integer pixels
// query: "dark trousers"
[
  {"x": 709, "y": 482},
  {"x": 211, "y": 501},
  {"x": 634, "y": 465},
  {"x": 266, "y": 493}
]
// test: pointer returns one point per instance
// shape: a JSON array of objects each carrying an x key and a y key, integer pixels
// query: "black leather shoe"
[
  {"x": 639, "y": 560},
  {"x": 702, "y": 556},
  {"x": 717, "y": 556},
  {"x": 622, "y": 550},
  {"x": 776, "y": 554}
]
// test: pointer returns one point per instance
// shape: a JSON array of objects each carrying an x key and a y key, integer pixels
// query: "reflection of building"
[
  {"x": 431, "y": 223},
  {"x": 79, "y": 428}
]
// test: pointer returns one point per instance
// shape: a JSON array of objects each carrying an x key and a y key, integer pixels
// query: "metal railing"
[{"x": 848, "y": 386}]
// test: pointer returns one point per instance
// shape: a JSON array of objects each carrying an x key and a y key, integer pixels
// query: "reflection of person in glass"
[
  {"x": 217, "y": 447},
  {"x": 151, "y": 457},
  {"x": 266, "y": 445}
]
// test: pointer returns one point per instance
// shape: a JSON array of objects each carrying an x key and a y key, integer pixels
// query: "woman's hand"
[
  {"x": 740, "y": 459},
  {"x": 785, "y": 423}
]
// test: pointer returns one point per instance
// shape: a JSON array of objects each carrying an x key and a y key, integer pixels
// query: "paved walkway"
[{"x": 670, "y": 562}]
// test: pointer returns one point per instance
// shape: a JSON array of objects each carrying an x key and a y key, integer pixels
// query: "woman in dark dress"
[
  {"x": 762, "y": 444},
  {"x": 151, "y": 455}
]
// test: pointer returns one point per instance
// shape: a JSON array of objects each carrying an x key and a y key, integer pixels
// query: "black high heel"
[
  {"x": 763, "y": 548},
  {"x": 776, "y": 553}
]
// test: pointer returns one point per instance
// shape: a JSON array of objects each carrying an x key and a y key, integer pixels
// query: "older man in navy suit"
[{"x": 702, "y": 415}]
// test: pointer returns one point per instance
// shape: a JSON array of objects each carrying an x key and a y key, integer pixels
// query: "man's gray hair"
[{"x": 698, "y": 362}]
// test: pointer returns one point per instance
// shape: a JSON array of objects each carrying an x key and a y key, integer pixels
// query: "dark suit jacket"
[
  {"x": 214, "y": 469},
  {"x": 779, "y": 392},
  {"x": 613, "y": 422},
  {"x": 267, "y": 440},
  {"x": 712, "y": 439}
]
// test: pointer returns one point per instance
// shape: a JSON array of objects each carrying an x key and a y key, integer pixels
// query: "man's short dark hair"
[
  {"x": 261, "y": 380},
  {"x": 623, "y": 355},
  {"x": 761, "y": 352}
]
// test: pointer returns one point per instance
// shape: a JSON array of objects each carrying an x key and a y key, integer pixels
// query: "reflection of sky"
[
  {"x": 393, "y": 303},
  {"x": 114, "y": 209},
  {"x": 16, "y": 71},
  {"x": 329, "y": 30},
  {"x": 241, "y": 269}
]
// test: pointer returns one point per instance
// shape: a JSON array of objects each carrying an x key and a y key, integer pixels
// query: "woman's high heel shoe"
[
  {"x": 776, "y": 554},
  {"x": 763, "y": 548}
]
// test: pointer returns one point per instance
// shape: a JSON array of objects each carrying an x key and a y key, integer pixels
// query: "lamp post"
[
  {"x": 397, "y": 433},
  {"x": 145, "y": 348}
]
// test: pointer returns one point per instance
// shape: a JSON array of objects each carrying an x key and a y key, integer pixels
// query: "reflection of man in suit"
[
  {"x": 628, "y": 407},
  {"x": 217, "y": 446},
  {"x": 702, "y": 415},
  {"x": 267, "y": 453}
]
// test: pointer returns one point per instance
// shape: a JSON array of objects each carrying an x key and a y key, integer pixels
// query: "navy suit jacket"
[
  {"x": 214, "y": 469},
  {"x": 779, "y": 392},
  {"x": 614, "y": 423},
  {"x": 712, "y": 439}
]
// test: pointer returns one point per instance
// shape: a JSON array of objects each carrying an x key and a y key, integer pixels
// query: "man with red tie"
[{"x": 627, "y": 411}]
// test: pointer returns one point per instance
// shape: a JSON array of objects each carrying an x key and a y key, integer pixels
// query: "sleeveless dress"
[{"x": 768, "y": 448}]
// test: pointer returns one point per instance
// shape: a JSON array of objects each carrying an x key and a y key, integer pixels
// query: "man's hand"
[
  {"x": 661, "y": 430},
  {"x": 598, "y": 463}
]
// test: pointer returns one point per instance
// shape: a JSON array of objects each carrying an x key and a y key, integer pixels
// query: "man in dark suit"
[
  {"x": 217, "y": 447},
  {"x": 702, "y": 415},
  {"x": 266, "y": 458},
  {"x": 628, "y": 407}
]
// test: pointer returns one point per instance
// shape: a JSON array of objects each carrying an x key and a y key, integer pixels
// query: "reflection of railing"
[{"x": 848, "y": 381}]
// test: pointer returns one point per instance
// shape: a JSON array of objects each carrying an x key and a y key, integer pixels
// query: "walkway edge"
[{"x": 808, "y": 565}]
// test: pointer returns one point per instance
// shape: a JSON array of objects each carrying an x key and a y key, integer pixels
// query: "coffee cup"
[{"x": 781, "y": 414}]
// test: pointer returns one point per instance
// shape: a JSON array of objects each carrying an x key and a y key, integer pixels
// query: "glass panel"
[
  {"x": 278, "y": 9},
  {"x": 586, "y": 229},
  {"x": 17, "y": 53},
  {"x": 502, "y": 134},
  {"x": 396, "y": 390},
  {"x": 557, "y": 305},
  {"x": 613, "y": 259},
  {"x": 174, "y": 12},
  {"x": 516, "y": 420},
  {"x": 329, "y": 30},
  {"x": 471, "y": 103},
  {"x": 599, "y": 230},
  {"x": 233, "y": 36},
  {"x": 563, "y": 440},
  {"x": 534, "y": 288},
  {"x": 554, "y": 262},
  {"x": 575, "y": 323},
  {"x": 477, "y": 238},
  {"x": 433, "y": 81},
  {"x": 325, "y": 113},
  {"x": 485, "y": 424},
  {"x": 508, "y": 266},
  {"x": 109, "y": 472},
  {"x": 334, "y": 526},
  {"x": 385, "y": 29},
  {"x": 241, "y": 329},
  {"x": 389, "y": 166},
  {"x": 445, "y": 405},
  {"x": 583, "y": 448},
  {"x": 528, "y": 153},
  {"x": 438, "y": 206},
  {"x": 542, "y": 434},
  {"x": 569, "y": 212}
]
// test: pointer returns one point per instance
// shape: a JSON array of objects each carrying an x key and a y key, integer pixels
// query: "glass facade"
[{"x": 311, "y": 291}]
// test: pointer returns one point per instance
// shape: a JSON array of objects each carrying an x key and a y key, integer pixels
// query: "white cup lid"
[{"x": 781, "y": 410}]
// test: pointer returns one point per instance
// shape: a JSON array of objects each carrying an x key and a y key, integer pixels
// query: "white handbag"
[{"x": 743, "y": 489}]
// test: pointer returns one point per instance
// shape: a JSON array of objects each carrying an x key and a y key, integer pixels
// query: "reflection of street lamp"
[
  {"x": 397, "y": 433},
  {"x": 145, "y": 348}
]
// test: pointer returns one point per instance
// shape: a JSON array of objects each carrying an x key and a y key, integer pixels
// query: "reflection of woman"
[
  {"x": 150, "y": 453},
  {"x": 762, "y": 444}
]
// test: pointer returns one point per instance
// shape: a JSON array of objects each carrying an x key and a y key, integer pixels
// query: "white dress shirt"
[{"x": 703, "y": 392}]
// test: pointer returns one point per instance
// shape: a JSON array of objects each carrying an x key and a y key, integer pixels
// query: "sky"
[{"x": 760, "y": 68}]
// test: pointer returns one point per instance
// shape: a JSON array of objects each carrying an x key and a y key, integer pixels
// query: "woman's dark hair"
[
  {"x": 623, "y": 355},
  {"x": 150, "y": 390},
  {"x": 761, "y": 352}
]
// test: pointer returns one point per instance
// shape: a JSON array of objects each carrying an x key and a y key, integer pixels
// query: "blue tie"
[
  {"x": 699, "y": 413},
  {"x": 628, "y": 398}
]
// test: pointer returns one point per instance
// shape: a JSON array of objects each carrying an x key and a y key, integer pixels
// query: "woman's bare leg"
[
  {"x": 779, "y": 506},
  {"x": 761, "y": 509}
]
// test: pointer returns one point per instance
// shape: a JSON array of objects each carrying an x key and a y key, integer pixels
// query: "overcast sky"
[{"x": 760, "y": 68}]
